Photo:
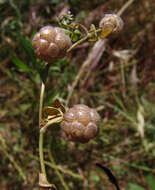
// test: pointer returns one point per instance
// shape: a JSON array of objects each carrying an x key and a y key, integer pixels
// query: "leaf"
[
  {"x": 135, "y": 187},
  {"x": 74, "y": 37},
  {"x": 20, "y": 64},
  {"x": 58, "y": 104},
  {"x": 51, "y": 111},
  {"x": 27, "y": 45},
  {"x": 151, "y": 181}
]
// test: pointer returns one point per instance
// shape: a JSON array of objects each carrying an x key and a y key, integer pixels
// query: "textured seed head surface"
[
  {"x": 80, "y": 123},
  {"x": 111, "y": 21},
  {"x": 51, "y": 43}
]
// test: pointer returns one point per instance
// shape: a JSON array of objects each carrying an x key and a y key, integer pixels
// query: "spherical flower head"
[
  {"x": 110, "y": 23},
  {"x": 51, "y": 43},
  {"x": 80, "y": 123}
]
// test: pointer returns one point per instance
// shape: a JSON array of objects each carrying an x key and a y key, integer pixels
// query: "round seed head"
[
  {"x": 110, "y": 23},
  {"x": 51, "y": 43},
  {"x": 80, "y": 123}
]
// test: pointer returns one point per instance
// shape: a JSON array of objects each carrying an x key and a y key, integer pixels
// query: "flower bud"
[
  {"x": 110, "y": 23},
  {"x": 51, "y": 43},
  {"x": 80, "y": 123}
]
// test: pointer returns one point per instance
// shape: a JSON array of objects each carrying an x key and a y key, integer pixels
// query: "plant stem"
[
  {"x": 125, "y": 6},
  {"x": 88, "y": 36},
  {"x": 57, "y": 171},
  {"x": 42, "y": 90},
  {"x": 61, "y": 169},
  {"x": 41, "y": 137},
  {"x": 77, "y": 43},
  {"x": 41, "y": 153}
]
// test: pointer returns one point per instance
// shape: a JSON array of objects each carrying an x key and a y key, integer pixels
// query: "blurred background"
[{"x": 120, "y": 85}]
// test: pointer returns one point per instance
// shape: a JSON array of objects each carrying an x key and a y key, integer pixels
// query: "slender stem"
[
  {"x": 56, "y": 170},
  {"x": 55, "y": 120},
  {"x": 41, "y": 153},
  {"x": 77, "y": 43},
  {"x": 41, "y": 138},
  {"x": 123, "y": 79},
  {"x": 125, "y": 6},
  {"x": 42, "y": 90},
  {"x": 61, "y": 169},
  {"x": 88, "y": 36}
]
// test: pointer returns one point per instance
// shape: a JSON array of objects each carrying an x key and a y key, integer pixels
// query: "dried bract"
[{"x": 80, "y": 123}]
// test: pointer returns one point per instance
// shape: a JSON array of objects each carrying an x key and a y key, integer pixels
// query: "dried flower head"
[
  {"x": 80, "y": 123},
  {"x": 51, "y": 43},
  {"x": 110, "y": 23}
]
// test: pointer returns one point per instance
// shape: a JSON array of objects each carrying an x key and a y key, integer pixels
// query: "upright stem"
[
  {"x": 42, "y": 90},
  {"x": 41, "y": 153}
]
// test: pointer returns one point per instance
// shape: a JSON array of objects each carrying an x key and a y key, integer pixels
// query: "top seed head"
[
  {"x": 110, "y": 23},
  {"x": 51, "y": 43}
]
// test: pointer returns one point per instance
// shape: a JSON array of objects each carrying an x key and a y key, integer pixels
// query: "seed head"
[
  {"x": 80, "y": 123},
  {"x": 51, "y": 43},
  {"x": 110, "y": 23}
]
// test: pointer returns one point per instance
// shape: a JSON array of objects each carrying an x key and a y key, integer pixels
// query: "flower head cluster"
[
  {"x": 80, "y": 123},
  {"x": 51, "y": 43}
]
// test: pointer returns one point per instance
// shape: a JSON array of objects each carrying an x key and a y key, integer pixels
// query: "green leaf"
[
  {"x": 151, "y": 181},
  {"x": 135, "y": 187},
  {"x": 74, "y": 37},
  {"x": 22, "y": 66},
  {"x": 27, "y": 45}
]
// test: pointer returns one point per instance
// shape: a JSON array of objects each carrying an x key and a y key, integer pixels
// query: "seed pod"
[
  {"x": 80, "y": 123},
  {"x": 110, "y": 23},
  {"x": 51, "y": 43}
]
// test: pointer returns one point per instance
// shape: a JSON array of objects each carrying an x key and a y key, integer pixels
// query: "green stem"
[
  {"x": 41, "y": 153},
  {"x": 41, "y": 138},
  {"x": 61, "y": 169},
  {"x": 83, "y": 39},
  {"x": 42, "y": 90},
  {"x": 56, "y": 170},
  {"x": 77, "y": 43}
]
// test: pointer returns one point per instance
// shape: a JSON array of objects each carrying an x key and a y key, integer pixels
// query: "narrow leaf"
[{"x": 20, "y": 64}]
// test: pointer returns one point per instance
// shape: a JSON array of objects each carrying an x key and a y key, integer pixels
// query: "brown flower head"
[
  {"x": 51, "y": 43},
  {"x": 80, "y": 123}
]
